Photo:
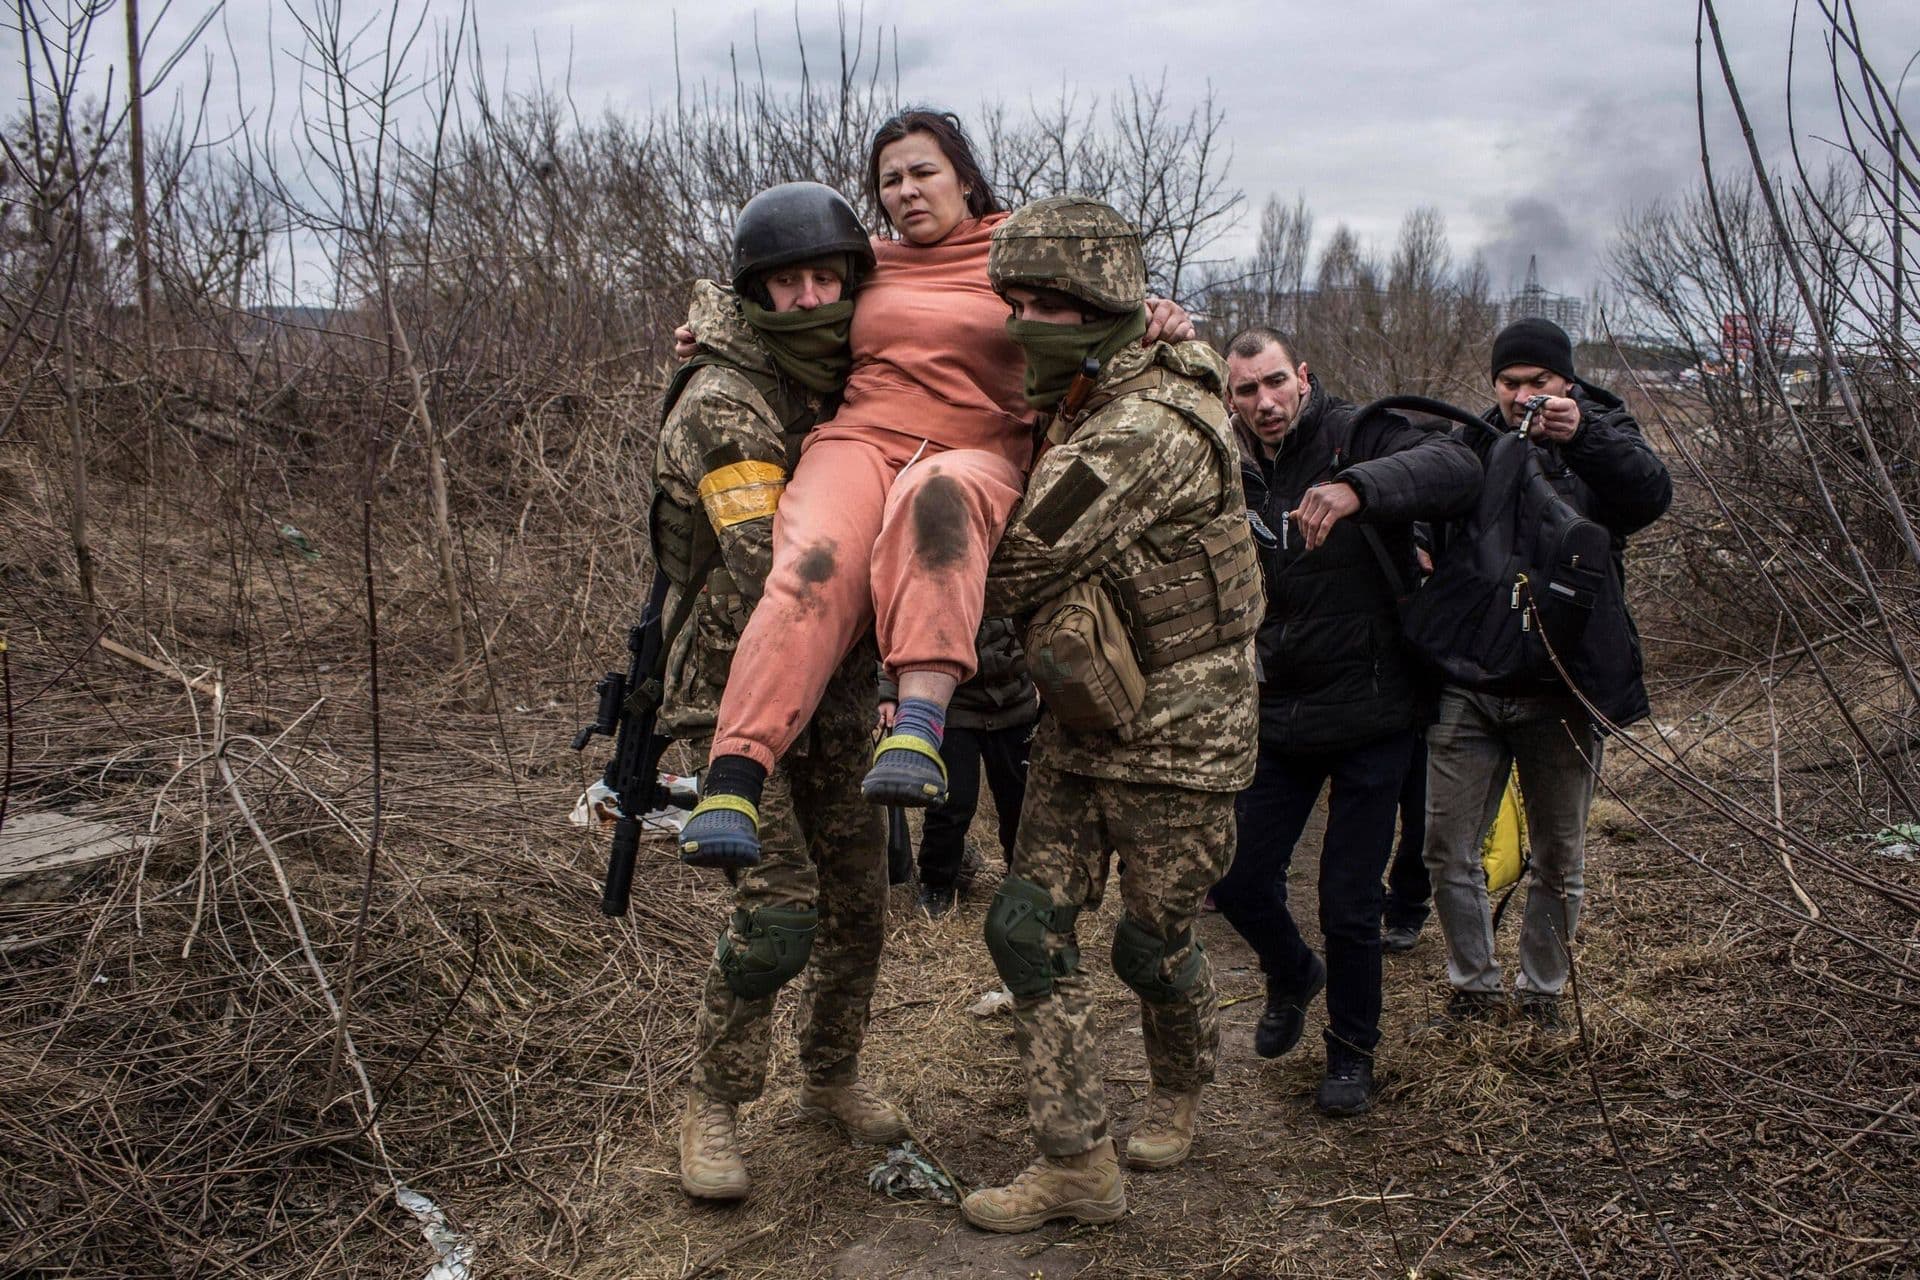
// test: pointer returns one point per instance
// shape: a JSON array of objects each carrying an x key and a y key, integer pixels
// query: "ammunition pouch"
[
  {"x": 777, "y": 941},
  {"x": 1083, "y": 662},
  {"x": 1139, "y": 955},
  {"x": 1199, "y": 602},
  {"x": 682, "y": 540},
  {"x": 1018, "y": 921}
]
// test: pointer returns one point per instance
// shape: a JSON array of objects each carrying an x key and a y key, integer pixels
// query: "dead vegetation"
[{"x": 356, "y": 946}]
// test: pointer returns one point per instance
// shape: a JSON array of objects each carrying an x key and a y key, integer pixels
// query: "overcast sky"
[{"x": 1532, "y": 126}]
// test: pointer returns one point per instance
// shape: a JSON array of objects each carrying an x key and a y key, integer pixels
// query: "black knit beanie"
[{"x": 1534, "y": 341}]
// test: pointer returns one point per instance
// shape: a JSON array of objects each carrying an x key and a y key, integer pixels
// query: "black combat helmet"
[{"x": 793, "y": 222}]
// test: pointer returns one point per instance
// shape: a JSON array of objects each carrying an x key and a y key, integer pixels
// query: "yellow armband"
[{"x": 742, "y": 491}]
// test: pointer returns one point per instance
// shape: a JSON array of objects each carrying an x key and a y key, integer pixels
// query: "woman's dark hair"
[{"x": 944, "y": 127}]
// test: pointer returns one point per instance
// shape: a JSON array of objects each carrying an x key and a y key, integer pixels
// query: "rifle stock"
[
  {"x": 899, "y": 846},
  {"x": 1080, "y": 390}
]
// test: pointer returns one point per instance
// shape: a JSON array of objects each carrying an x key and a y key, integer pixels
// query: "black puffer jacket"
[
  {"x": 1000, "y": 694},
  {"x": 1608, "y": 474},
  {"x": 1333, "y": 672}
]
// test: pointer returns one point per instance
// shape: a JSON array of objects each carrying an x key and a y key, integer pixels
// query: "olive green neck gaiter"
[
  {"x": 1055, "y": 352},
  {"x": 810, "y": 347}
]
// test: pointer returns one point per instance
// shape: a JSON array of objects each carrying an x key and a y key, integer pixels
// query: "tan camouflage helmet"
[{"x": 1074, "y": 245}]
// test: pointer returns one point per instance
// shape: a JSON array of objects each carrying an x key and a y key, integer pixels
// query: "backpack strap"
[
  {"x": 1396, "y": 577},
  {"x": 1342, "y": 443}
]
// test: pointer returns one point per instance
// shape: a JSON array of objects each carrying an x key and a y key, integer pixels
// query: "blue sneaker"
[
  {"x": 908, "y": 771},
  {"x": 722, "y": 831}
]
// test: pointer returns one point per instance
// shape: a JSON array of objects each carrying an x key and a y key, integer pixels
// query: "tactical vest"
[
  {"x": 1208, "y": 593},
  {"x": 685, "y": 544}
]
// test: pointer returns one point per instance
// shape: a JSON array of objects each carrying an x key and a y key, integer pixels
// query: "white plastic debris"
[
  {"x": 1901, "y": 840},
  {"x": 998, "y": 1000},
  {"x": 907, "y": 1173},
  {"x": 454, "y": 1248},
  {"x": 599, "y": 805}
]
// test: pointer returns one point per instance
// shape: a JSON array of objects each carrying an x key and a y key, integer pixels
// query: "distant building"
[{"x": 1534, "y": 302}]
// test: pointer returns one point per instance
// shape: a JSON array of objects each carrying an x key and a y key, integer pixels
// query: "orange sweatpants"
[{"x": 875, "y": 528}]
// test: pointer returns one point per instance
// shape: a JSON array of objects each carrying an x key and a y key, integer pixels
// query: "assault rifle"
[{"x": 628, "y": 713}]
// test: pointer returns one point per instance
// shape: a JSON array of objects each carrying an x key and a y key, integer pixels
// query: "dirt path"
[
  {"x": 1273, "y": 1187},
  {"x": 1255, "y": 1114},
  {"x": 1485, "y": 1154}
]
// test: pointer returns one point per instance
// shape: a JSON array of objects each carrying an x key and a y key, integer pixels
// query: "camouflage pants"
[
  {"x": 821, "y": 845},
  {"x": 1172, "y": 843}
]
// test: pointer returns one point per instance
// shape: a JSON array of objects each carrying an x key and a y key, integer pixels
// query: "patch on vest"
[{"x": 1078, "y": 490}]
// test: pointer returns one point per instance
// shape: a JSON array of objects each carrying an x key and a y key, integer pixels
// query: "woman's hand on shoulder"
[{"x": 1168, "y": 321}]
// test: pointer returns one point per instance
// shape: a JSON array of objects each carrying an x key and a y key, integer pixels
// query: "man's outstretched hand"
[{"x": 1321, "y": 508}]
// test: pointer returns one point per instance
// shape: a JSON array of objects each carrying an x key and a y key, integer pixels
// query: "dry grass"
[{"x": 171, "y": 1103}]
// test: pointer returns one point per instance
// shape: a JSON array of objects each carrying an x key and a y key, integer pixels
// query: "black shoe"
[
  {"x": 1347, "y": 1088},
  {"x": 1399, "y": 937},
  {"x": 1542, "y": 1010},
  {"x": 1473, "y": 1006},
  {"x": 936, "y": 899},
  {"x": 1286, "y": 1016}
]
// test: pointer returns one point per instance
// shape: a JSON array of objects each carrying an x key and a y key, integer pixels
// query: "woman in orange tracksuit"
[{"x": 898, "y": 501}]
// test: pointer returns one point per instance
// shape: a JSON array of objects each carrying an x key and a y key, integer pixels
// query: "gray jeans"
[{"x": 1469, "y": 750}]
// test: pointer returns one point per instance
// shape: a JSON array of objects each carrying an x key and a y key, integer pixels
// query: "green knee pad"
[
  {"x": 1018, "y": 921},
  {"x": 778, "y": 940},
  {"x": 1139, "y": 954}
]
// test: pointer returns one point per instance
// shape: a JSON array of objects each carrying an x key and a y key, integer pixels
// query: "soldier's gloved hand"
[
  {"x": 1322, "y": 507},
  {"x": 1167, "y": 321}
]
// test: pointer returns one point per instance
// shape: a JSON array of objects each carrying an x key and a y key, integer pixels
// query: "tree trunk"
[
  {"x": 437, "y": 491},
  {"x": 137, "y": 157},
  {"x": 77, "y": 522}
]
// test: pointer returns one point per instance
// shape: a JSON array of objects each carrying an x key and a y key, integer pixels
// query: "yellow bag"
[
  {"x": 1083, "y": 662},
  {"x": 1503, "y": 853}
]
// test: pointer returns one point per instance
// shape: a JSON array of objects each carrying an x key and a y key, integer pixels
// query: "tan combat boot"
[
  {"x": 864, "y": 1114},
  {"x": 1164, "y": 1135},
  {"x": 710, "y": 1164},
  {"x": 1088, "y": 1187}
]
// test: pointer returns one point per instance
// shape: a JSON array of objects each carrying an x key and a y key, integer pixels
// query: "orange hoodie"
[{"x": 931, "y": 356}]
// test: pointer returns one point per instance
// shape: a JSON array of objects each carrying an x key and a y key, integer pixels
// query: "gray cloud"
[{"x": 1530, "y": 129}]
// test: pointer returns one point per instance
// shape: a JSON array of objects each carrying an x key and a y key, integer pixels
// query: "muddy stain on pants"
[{"x": 875, "y": 528}]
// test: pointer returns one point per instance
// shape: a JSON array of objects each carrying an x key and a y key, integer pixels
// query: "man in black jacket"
[
  {"x": 1337, "y": 695},
  {"x": 1597, "y": 460}
]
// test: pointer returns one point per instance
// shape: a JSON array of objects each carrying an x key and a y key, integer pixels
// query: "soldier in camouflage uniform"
[
  {"x": 772, "y": 355},
  {"x": 1140, "y": 490}
]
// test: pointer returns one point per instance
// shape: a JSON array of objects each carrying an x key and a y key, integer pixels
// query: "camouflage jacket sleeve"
[
  {"x": 1130, "y": 466},
  {"x": 720, "y": 449}
]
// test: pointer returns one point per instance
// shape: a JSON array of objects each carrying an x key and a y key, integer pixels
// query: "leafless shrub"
[
  {"x": 1416, "y": 323},
  {"x": 349, "y": 855}
]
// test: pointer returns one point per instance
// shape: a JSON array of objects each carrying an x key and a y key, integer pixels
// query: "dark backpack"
[{"x": 1517, "y": 582}]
